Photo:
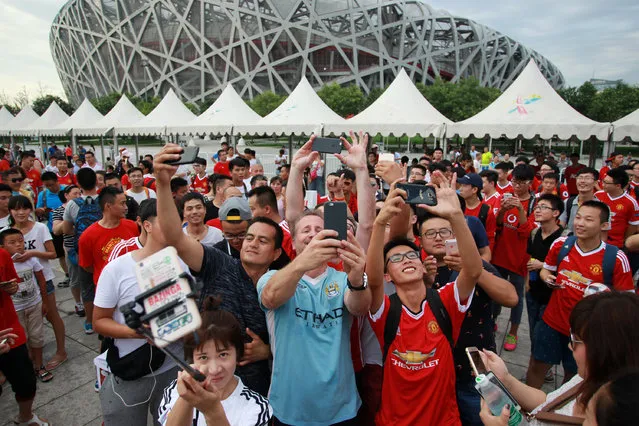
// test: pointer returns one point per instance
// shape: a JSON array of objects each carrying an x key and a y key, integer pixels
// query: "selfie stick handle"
[{"x": 183, "y": 364}]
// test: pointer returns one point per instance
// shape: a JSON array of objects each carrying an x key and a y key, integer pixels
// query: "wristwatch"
[{"x": 364, "y": 285}]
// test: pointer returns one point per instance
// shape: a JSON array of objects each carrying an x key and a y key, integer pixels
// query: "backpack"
[
  {"x": 569, "y": 203},
  {"x": 395, "y": 313},
  {"x": 609, "y": 259},
  {"x": 89, "y": 212},
  {"x": 149, "y": 184},
  {"x": 483, "y": 214}
]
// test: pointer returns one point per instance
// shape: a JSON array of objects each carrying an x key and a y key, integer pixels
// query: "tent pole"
[
  {"x": 115, "y": 147},
  {"x": 40, "y": 146},
  {"x": 581, "y": 148},
  {"x": 290, "y": 147},
  {"x": 137, "y": 149},
  {"x": 102, "y": 150},
  {"x": 490, "y": 144}
]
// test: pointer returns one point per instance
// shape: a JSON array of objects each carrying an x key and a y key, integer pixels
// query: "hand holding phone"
[
  {"x": 451, "y": 247},
  {"x": 419, "y": 194},
  {"x": 387, "y": 156},
  {"x": 189, "y": 154},
  {"x": 495, "y": 394},
  {"x": 327, "y": 145}
]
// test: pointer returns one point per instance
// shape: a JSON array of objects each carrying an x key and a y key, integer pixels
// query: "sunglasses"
[{"x": 16, "y": 180}]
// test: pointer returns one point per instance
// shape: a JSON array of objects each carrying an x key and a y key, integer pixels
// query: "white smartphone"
[
  {"x": 387, "y": 156},
  {"x": 493, "y": 391},
  {"x": 182, "y": 319},
  {"x": 451, "y": 247},
  {"x": 476, "y": 362},
  {"x": 15, "y": 256},
  {"x": 506, "y": 195}
]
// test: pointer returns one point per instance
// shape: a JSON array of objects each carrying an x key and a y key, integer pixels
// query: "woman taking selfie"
[{"x": 604, "y": 340}]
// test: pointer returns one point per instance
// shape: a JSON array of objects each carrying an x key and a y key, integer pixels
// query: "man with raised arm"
[
  {"x": 310, "y": 308},
  {"x": 419, "y": 371}
]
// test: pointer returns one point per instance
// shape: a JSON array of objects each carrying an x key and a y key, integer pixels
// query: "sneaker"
[
  {"x": 96, "y": 386},
  {"x": 64, "y": 283},
  {"x": 79, "y": 310},
  {"x": 550, "y": 377},
  {"x": 88, "y": 328},
  {"x": 511, "y": 342}
]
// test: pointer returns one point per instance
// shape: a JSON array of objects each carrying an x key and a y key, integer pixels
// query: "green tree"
[
  {"x": 11, "y": 108},
  {"x": 614, "y": 103},
  {"x": 192, "y": 107},
  {"x": 41, "y": 103},
  {"x": 266, "y": 102},
  {"x": 461, "y": 100},
  {"x": 344, "y": 101},
  {"x": 372, "y": 96},
  {"x": 580, "y": 98},
  {"x": 104, "y": 104},
  {"x": 145, "y": 106}
]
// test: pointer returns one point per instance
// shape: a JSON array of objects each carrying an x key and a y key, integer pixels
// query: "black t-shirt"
[
  {"x": 224, "y": 277},
  {"x": 225, "y": 247},
  {"x": 538, "y": 249},
  {"x": 478, "y": 327},
  {"x": 212, "y": 211},
  {"x": 132, "y": 208}
]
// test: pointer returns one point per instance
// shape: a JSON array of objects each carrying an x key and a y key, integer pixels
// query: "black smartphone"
[
  {"x": 188, "y": 156},
  {"x": 327, "y": 145},
  {"x": 419, "y": 194},
  {"x": 335, "y": 218}
]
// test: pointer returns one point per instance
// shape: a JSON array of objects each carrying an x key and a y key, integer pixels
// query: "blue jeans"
[
  {"x": 317, "y": 185},
  {"x": 519, "y": 283},
  {"x": 469, "y": 403},
  {"x": 535, "y": 312}
]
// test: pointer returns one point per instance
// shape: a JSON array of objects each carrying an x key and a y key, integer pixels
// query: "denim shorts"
[
  {"x": 50, "y": 287},
  {"x": 551, "y": 347}
]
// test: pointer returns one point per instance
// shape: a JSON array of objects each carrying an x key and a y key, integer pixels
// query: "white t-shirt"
[
  {"x": 95, "y": 168},
  {"x": 4, "y": 221},
  {"x": 34, "y": 240},
  {"x": 212, "y": 237},
  {"x": 242, "y": 408},
  {"x": 28, "y": 293},
  {"x": 141, "y": 196},
  {"x": 118, "y": 286}
]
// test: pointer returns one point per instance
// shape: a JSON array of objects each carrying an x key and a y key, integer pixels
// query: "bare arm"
[
  {"x": 58, "y": 227},
  {"x": 632, "y": 243},
  {"x": 302, "y": 159},
  {"x": 105, "y": 325},
  {"x": 190, "y": 250},
  {"x": 67, "y": 228},
  {"x": 630, "y": 231},
  {"x": 485, "y": 253},
  {"x": 498, "y": 289},
  {"x": 528, "y": 397},
  {"x": 358, "y": 302},
  {"x": 472, "y": 266}
]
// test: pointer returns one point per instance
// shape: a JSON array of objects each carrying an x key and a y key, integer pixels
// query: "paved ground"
[{"x": 70, "y": 400}]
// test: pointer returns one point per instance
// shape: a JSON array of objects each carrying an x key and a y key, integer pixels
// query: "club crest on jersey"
[
  {"x": 414, "y": 357},
  {"x": 332, "y": 290},
  {"x": 619, "y": 207},
  {"x": 433, "y": 327},
  {"x": 596, "y": 269}
]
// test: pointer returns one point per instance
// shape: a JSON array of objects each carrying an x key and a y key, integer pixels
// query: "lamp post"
[{"x": 145, "y": 65}]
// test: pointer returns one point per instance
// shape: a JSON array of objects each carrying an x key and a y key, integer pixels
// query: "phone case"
[
  {"x": 327, "y": 145},
  {"x": 182, "y": 319},
  {"x": 419, "y": 194},
  {"x": 387, "y": 157},
  {"x": 188, "y": 156},
  {"x": 451, "y": 246},
  {"x": 335, "y": 218}
]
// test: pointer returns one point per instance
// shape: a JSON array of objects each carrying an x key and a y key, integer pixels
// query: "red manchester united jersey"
[
  {"x": 576, "y": 271},
  {"x": 624, "y": 211},
  {"x": 419, "y": 373},
  {"x": 512, "y": 240},
  {"x": 494, "y": 201},
  {"x": 503, "y": 189},
  {"x": 200, "y": 185},
  {"x": 67, "y": 179}
]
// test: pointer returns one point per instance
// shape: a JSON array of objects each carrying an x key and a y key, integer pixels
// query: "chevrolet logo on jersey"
[
  {"x": 575, "y": 277},
  {"x": 414, "y": 357}
]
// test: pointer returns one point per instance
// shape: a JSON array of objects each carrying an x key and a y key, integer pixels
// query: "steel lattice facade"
[{"x": 196, "y": 47}]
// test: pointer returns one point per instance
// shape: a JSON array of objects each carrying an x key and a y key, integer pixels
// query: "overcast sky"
[{"x": 582, "y": 37}]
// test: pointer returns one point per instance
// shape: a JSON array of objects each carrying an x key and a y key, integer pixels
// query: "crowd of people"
[{"x": 300, "y": 327}]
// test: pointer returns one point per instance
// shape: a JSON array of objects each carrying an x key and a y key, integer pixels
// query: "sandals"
[
  {"x": 43, "y": 374},
  {"x": 55, "y": 363},
  {"x": 35, "y": 420}
]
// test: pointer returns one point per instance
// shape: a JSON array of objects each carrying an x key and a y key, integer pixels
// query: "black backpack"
[
  {"x": 395, "y": 313},
  {"x": 483, "y": 214}
]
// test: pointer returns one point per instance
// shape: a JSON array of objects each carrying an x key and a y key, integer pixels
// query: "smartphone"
[
  {"x": 188, "y": 156},
  {"x": 335, "y": 218},
  {"x": 493, "y": 391},
  {"x": 387, "y": 157},
  {"x": 475, "y": 361},
  {"x": 451, "y": 247},
  {"x": 506, "y": 195},
  {"x": 4, "y": 341},
  {"x": 327, "y": 145},
  {"x": 419, "y": 194},
  {"x": 15, "y": 256}
]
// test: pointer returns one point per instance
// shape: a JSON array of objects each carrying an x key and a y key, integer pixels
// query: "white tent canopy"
[
  {"x": 44, "y": 125},
  {"x": 627, "y": 126},
  {"x": 227, "y": 111},
  {"x": 400, "y": 109},
  {"x": 302, "y": 112},
  {"x": 170, "y": 112},
  {"x": 21, "y": 121},
  {"x": 5, "y": 118},
  {"x": 529, "y": 107},
  {"x": 85, "y": 116},
  {"x": 123, "y": 114}
]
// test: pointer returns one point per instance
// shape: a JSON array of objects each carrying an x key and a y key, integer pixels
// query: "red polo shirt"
[{"x": 8, "y": 316}]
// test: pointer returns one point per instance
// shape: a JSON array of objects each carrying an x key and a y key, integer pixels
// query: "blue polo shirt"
[{"x": 53, "y": 202}]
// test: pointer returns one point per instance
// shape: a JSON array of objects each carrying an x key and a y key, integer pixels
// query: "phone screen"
[
  {"x": 327, "y": 145},
  {"x": 335, "y": 218},
  {"x": 495, "y": 393},
  {"x": 419, "y": 194},
  {"x": 188, "y": 156}
]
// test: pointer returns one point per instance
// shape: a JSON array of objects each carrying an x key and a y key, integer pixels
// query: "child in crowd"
[
  {"x": 222, "y": 398},
  {"x": 28, "y": 299}
]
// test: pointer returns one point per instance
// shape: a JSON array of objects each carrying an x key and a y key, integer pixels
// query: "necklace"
[{"x": 199, "y": 235}]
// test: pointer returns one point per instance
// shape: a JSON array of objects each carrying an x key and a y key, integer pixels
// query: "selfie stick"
[{"x": 135, "y": 318}]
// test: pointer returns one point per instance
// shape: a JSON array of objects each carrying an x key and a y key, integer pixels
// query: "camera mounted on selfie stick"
[{"x": 171, "y": 319}]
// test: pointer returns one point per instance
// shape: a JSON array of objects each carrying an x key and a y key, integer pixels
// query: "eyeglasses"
[
  {"x": 608, "y": 183},
  {"x": 396, "y": 258},
  {"x": 574, "y": 342},
  {"x": 16, "y": 180},
  {"x": 541, "y": 207},
  {"x": 432, "y": 234},
  {"x": 231, "y": 237},
  {"x": 520, "y": 182}
]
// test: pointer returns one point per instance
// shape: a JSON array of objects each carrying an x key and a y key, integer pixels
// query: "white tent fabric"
[
  {"x": 21, "y": 121},
  {"x": 227, "y": 111},
  {"x": 530, "y": 106},
  {"x": 627, "y": 126},
  {"x": 400, "y": 109},
  {"x": 5, "y": 118},
  {"x": 170, "y": 112},
  {"x": 44, "y": 125},
  {"x": 123, "y": 114},
  {"x": 85, "y": 116},
  {"x": 302, "y": 112}
]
